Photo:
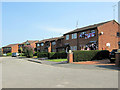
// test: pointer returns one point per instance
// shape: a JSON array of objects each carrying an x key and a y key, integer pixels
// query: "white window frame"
[
  {"x": 38, "y": 44},
  {"x": 67, "y": 37},
  {"x": 74, "y": 35},
  {"x": 42, "y": 44},
  {"x": 53, "y": 43}
]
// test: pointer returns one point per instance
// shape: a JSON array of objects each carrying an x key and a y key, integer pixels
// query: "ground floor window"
[
  {"x": 73, "y": 48},
  {"x": 92, "y": 46}
]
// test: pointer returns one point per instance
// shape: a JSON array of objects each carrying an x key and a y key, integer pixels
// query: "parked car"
[
  {"x": 112, "y": 55},
  {"x": 5, "y": 54},
  {"x": 15, "y": 54}
]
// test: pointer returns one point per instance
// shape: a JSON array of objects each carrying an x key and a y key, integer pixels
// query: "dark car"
[
  {"x": 15, "y": 54},
  {"x": 112, "y": 55}
]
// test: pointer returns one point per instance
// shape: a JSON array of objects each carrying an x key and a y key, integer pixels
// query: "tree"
[
  {"x": 21, "y": 50},
  {"x": 29, "y": 51}
]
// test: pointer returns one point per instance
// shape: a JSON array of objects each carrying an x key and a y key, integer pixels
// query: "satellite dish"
[
  {"x": 101, "y": 33},
  {"x": 108, "y": 44}
]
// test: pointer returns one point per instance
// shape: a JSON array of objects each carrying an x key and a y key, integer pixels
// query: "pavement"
[
  {"x": 23, "y": 73},
  {"x": 76, "y": 66}
]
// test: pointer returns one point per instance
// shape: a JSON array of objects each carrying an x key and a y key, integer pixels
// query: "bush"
[
  {"x": 52, "y": 55},
  {"x": 35, "y": 54},
  {"x": 90, "y": 55},
  {"x": 28, "y": 51},
  {"x": 57, "y": 55},
  {"x": 42, "y": 54},
  {"x": 9, "y": 54},
  {"x": 21, "y": 54}
]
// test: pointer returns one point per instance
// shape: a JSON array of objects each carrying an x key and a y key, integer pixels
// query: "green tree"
[{"x": 28, "y": 51}]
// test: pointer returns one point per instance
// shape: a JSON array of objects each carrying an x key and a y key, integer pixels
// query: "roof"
[
  {"x": 50, "y": 39},
  {"x": 30, "y": 41},
  {"x": 88, "y": 27},
  {"x": 10, "y": 45}
]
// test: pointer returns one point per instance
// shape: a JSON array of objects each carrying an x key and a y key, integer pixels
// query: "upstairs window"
[
  {"x": 92, "y": 31},
  {"x": 38, "y": 45},
  {"x": 42, "y": 44},
  {"x": 82, "y": 34},
  {"x": 74, "y": 36},
  {"x": 67, "y": 37},
  {"x": 118, "y": 34},
  {"x": 53, "y": 43}
]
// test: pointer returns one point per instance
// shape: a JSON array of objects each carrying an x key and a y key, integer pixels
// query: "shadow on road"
[
  {"x": 35, "y": 61},
  {"x": 113, "y": 67}
]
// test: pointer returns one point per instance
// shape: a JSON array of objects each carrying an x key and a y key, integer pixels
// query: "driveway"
[{"x": 20, "y": 73}]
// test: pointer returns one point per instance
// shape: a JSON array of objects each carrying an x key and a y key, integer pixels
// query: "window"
[
  {"x": 42, "y": 44},
  {"x": 38, "y": 45},
  {"x": 67, "y": 37},
  {"x": 53, "y": 43},
  {"x": 73, "y": 48},
  {"x": 92, "y": 31},
  {"x": 82, "y": 34},
  {"x": 74, "y": 36},
  {"x": 118, "y": 34}
]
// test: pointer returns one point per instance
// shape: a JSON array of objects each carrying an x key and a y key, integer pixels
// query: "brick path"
[{"x": 98, "y": 62}]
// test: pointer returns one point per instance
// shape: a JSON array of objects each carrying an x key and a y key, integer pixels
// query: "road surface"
[{"x": 20, "y": 73}]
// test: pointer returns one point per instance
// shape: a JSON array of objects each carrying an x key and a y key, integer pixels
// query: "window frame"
[
  {"x": 67, "y": 37},
  {"x": 42, "y": 44}
]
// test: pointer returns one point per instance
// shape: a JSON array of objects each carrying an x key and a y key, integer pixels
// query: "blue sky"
[{"x": 23, "y": 21}]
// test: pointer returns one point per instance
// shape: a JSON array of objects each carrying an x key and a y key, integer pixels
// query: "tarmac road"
[{"x": 20, "y": 73}]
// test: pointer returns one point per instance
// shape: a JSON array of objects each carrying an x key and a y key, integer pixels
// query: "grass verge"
[{"x": 57, "y": 60}]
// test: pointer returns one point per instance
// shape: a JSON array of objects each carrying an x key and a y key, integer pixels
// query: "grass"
[
  {"x": 34, "y": 56},
  {"x": 57, "y": 60}
]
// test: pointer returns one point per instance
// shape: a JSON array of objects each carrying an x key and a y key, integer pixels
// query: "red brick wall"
[
  {"x": 72, "y": 42},
  {"x": 109, "y": 30},
  {"x": 14, "y": 48},
  {"x": 49, "y": 48},
  {"x": 34, "y": 44}
]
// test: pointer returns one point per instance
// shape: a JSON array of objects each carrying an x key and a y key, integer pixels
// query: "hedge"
[
  {"x": 90, "y": 55},
  {"x": 9, "y": 54},
  {"x": 52, "y": 55},
  {"x": 57, "y": 55},
  {"x": 42, "y": 54}
]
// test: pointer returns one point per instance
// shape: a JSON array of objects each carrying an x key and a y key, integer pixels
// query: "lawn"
[{"x": 57, "y": 60}]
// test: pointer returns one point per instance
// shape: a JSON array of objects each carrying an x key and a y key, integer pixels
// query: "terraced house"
[
  {"x": 101, "y": 36},
  {"x": 28, "y": 42},
  {"x": 50, "y": 45},
  {"x": 11, "y": 48}
]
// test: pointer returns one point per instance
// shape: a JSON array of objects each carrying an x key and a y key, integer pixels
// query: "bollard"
[
  {"x": 70, "y": 56},
  {"x": 117, "y": 58}
]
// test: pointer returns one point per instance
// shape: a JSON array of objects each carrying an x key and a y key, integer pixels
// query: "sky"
[{"x": 23, "y": 21}]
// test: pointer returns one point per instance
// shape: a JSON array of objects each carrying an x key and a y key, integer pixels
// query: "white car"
[{"x": 5, "y": 54}]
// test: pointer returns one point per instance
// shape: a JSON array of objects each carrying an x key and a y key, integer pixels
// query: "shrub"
[
  {"x": 42, "y": 54},
  {"x": 52, "y": 55},
  {"x": 90, "y": 55},
  {"x": 57, "y": 55},
  {"x": 21, "y": 54},
  {"x": 35, "y": 54},
  {"x": 28, "y": 51},
  {"x": 9, "y": 54}
]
